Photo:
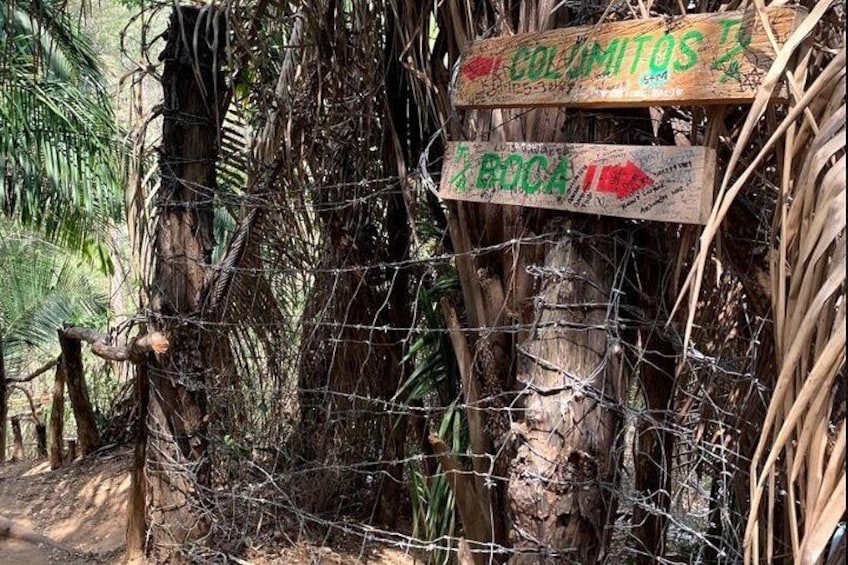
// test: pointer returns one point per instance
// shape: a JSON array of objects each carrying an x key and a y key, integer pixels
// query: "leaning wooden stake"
[{"x": 57, "y": 414}]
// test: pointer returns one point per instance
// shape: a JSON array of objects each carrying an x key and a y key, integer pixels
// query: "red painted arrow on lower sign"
[{"x": 622, "y": 180}]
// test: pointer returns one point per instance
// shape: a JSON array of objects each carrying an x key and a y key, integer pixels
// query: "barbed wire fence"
[{"x": 342, "y": 363}]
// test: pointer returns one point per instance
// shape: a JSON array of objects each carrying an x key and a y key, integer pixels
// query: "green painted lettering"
[
  {"x": 489, "y": 173},
  {"x": 620, "y": 57},
  {"x": 550, "y": 71},
  {"x": 512, "y": 164},
  {"x": 538, "y": 63},
  {"x": 527, "y": 173},
  {"x": 661, "y": 55},
  {"x": 559, "y": 178},
  {"x": 458, "y": 180},
  {"x": 725, "y": 29},
  {"x": 520, "y": 56},
  {"x": 600, "y": 57},
  {"x": 637, "y": 57},
  {"x": 687, "y": 51},
  {"x": 571, "y": 68}
]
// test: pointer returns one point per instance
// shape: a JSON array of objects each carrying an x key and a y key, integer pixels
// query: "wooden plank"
[
  {"x": 666, "y": 184},
  {"x": 695, "y": 59}
]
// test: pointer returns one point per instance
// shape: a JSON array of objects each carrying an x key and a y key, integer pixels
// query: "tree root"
[{"x": 12, "y": 530}]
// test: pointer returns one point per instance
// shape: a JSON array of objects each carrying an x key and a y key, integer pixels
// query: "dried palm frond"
[{"x": 801, "y": 450}]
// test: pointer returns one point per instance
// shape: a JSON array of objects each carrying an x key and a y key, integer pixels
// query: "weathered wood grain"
[
  {"x": 694, "y": 59},
  {"x": 668, "y": 184}
]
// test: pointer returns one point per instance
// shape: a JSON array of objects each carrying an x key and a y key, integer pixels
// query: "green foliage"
[
  {"x": 433, "y": 502},
  {"x": 435, "y": 383},
  {"x": 59, "y": 150},
  {"x": 41, "y": 288}
]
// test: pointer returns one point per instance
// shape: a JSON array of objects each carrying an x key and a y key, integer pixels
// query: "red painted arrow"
[
  {"x": 480, "y": 66},
  {"x": 623, "y": 180}
]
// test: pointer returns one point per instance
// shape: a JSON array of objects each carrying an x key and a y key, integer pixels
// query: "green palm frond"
[
  {"x": 41, "y": 289},
  {"x": 59, "y": 150}
]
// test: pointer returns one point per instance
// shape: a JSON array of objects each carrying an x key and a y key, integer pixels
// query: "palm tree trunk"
[
  {"x": 561, "y": 485},
  {"x": 177, "y": 461}
]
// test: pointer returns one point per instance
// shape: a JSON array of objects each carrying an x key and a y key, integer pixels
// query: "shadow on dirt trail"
[{"x": 81, "y": 506}]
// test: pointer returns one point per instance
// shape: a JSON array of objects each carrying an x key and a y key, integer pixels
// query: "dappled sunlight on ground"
[{"x": 81, "y": 506}]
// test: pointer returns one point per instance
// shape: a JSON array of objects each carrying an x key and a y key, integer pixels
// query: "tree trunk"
[
  {"x": 4, "y": 407},
  {"x": 57, "y": 416},
  {"x": 562, "y": 479},
  {"x": 18, "y": 440},
  {"x": 87, "y": 434},
  {"x": 654, "y": 447},
  {"x": 656, "y": 362},
  {"x": 194, "y": 102},
  {"x": 41, "y": 439}
]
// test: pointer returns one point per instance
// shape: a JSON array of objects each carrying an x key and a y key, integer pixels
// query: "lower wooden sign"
[{"x": 666, "y": 184}]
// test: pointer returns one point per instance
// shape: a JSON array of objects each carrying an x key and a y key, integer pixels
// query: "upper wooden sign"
[
  {"x": 668, "y": 184},
  {"x": 696, "y": 59}
]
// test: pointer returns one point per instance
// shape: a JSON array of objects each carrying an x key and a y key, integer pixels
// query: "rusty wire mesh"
[{"x": 341, "y": 360}]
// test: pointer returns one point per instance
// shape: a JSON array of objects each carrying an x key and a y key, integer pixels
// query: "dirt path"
[{"x": 82, "y": 506}]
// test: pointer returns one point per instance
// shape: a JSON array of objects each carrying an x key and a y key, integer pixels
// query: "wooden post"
[
  {"x": 41, "y": 438},
  {"x": 136, "y": 522},
  {"x": 89, "y": 437},
  {"x": 18, "y": 439},
  {"x": 71, "y": 454},
  {"x": 57, "y": 415}
]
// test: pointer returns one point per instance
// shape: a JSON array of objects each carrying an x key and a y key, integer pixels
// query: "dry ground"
[{"x": 83, "y": 507}]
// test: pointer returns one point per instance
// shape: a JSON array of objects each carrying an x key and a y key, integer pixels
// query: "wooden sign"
[
  {"x": 695, "y": 59},
  {"x": 668, "y": 184}
]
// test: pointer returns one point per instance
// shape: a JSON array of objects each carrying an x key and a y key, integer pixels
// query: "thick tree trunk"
[
  {"x": 562, "y": 479},
  {"x": 177, "y": 462},
  {"x": 87, "y": 434},
  {"x": 57, "y": 416},
  {"x": 4, "y": 407},
  {"x": 17, "y": 440}
]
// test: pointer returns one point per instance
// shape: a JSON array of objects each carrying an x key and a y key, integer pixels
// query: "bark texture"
[
  {"x": 136, "y": 521},
  {"x": 87, "y": 435},
  {"x": 41, "y": 439},
  {"x": 57, "y": 415},
  {"x": 563, "y": 476},
  {"x": 177, "y": 466},
  {"x": 17, "y": 439},
  {"x": 654, "y": 448}
]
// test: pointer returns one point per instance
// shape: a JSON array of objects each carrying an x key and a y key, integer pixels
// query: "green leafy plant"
[{"x": 434, "y": 384}]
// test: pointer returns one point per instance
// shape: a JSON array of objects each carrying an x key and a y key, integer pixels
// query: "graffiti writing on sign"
[
  {"x": 659, "y": 183},
  {"x": 699, "y": 58}
]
